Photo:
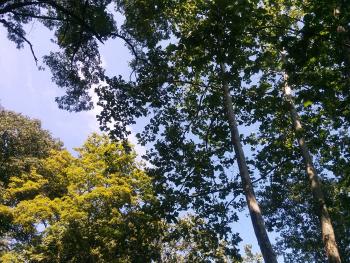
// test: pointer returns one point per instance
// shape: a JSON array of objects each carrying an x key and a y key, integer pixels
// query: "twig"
[{"x": 270, "y": 171}]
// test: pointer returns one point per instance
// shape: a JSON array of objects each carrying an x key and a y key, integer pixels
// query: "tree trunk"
[
  {"x": 316, "y": 186},
  {"x": 254, "y": 209}
]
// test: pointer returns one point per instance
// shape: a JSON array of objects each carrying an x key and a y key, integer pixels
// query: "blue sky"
[{"x": 25, "y": 89}]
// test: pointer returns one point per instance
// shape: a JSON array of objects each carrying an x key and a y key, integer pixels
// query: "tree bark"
[
  {"x": 253, "y": 206},
  {"x": 328, "y": 236}
]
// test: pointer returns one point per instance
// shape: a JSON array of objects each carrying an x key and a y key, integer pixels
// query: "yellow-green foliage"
[
  {"x": 90, "y": 208},
  {"x": 22, "y": 143}
]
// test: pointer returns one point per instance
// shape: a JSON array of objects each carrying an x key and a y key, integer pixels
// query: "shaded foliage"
[{"x": 178, "y": 46}]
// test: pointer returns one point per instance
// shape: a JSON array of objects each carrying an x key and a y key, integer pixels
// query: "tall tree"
[
  {"x": 283, "y": 27},
  {"x": 77, "y": 66},
  {"x": 289, "y": 27},
  {"x": 188, "y": 89},
  {"x": 179, "y": 83},
  {"x": 328, "y": 235}
]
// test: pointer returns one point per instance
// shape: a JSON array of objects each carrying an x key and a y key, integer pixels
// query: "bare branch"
[{"x": 186, "y": 180}]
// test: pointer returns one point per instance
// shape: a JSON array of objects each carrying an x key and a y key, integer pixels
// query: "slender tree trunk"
[
  {"x": 254, "y": 209},
  {"x": 316, "y": 186}
]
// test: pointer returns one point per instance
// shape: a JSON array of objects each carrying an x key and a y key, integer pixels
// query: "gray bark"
[
  {"x": 316, "y": 186},
  {"x": 253, "y": 206}
]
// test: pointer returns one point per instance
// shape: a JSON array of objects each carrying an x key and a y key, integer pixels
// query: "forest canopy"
[{"x": 246, "y": 104}]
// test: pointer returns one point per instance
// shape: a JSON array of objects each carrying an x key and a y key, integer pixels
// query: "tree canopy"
[
  {"x": 23, "y": 142},
  {"x": 202, "y": 70},
  {"x": 90, "y": 208}
]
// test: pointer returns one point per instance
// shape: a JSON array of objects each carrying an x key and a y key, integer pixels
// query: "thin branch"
[
  {"x": 259, "y": 28},
  {"x": 171, "y": 81},
  {"x": 60, "y": 42},
  {"x": 270, "y": 171},
  {"x": 185, "y": 180},
  {"x": 75, "y": 51},
  {"x": 229, "y": 203},
  {"x": 215, "y": 191},
  {"x": 14, "y": 6},
  {"x": 132, "y": 72},
  {"x": 18, "y": 33},
  {"x": 131, "y": 46},
  {"x": 74, "y": 16},
  {"x": 208, "y": 131},
  {"x": 199, "y": 108},
  {"x": 37, "y": 16}
]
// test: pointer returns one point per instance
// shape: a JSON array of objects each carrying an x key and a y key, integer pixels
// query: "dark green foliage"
[
  {"x": 23, "y": 142},
  {"x": 78, "y": 28},
  {"x": 177, "y": 48},
  {"x": 178, "y": 85},
  {"x": 316, "y": 74}
]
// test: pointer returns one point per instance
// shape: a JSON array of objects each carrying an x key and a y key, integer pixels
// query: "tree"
[
  {"x": 295, "y": 27},
  {"x": 328, "y": 235},
  {"x": 189, "y": 241},
  {"x": 77, "y": 67},
  {"x": 188, "y": 88},
  {"x": 193, "y": 49},
  {"x": 186, "y": 54},
  {"x": 79, "y": 27},
  {"x": 101, "y": 213},
  {"x": 23, "y": 143}
]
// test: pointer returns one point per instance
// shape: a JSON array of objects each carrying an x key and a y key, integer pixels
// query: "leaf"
[{"x": 308, "y": 103}]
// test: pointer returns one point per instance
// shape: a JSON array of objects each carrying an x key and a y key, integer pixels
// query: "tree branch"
[
  {"x": 270, "y": 171},
  {"x": 37, "y": 16},
  {"x": 18, "y": 33},
  {"x": 74, "y": 16},
  {"x": 131, "y": 46},
  {"x": 14, "y": 6},
  {"x": 240, "y": 189}
]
